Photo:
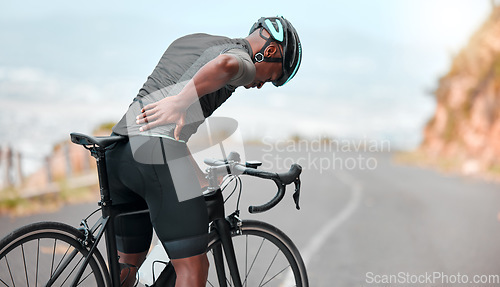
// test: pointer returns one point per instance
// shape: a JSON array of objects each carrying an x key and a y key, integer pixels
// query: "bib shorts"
[{"x": 180, "y": 221}]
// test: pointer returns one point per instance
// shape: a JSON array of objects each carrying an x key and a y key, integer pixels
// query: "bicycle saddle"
[{"x": 102, "y": 142}]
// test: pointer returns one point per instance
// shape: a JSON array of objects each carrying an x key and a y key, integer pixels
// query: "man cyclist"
[{"x": 196, "y": 74}]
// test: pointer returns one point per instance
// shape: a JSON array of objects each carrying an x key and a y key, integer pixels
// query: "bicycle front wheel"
[
  {"x": 265, "y": 257},
  {"x": 49, "y": 254}
]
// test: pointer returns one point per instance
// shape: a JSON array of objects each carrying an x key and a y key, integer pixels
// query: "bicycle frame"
[
  {"x": 105, "y": 226},
  {"x": 221, "y": 227},
  {"x": 106, "y": 222}
]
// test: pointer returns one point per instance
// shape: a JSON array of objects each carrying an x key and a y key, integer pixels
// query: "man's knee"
[
  {"x": 133, "y": 261},
  {"x": 191, "y": 266}
]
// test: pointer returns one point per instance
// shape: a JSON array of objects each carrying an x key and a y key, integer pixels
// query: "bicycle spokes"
[
  {"x": 261, "y": 262},
  {"x": 44, "y": 262}
]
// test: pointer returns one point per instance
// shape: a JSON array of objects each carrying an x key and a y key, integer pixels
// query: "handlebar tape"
[{"x": 281, "y": 179}]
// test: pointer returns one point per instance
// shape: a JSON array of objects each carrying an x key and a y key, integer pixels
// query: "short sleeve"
[{"x": 246, "y": 71}]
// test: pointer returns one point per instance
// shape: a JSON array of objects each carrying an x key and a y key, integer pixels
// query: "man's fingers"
[
  {"x": 147, "y": 113},
  {"x": 147, "y": 116},
  {"x": 148, "y": 126},
  {"x": 141, "y": 121},
  {"x": 178, "y": 127},
  {"x": 148, "y": 107},
  {"x": 146, "y": 119},
  {"x": 177, "y": 131}
]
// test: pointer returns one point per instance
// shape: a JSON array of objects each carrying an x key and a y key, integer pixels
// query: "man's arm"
[{"x": 210, "y": 78}]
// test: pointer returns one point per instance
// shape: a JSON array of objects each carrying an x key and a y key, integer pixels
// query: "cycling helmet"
[{"x": 282, "y": 32}]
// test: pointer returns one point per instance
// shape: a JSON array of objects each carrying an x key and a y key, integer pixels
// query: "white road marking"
[{"x": 320, "y": 238}]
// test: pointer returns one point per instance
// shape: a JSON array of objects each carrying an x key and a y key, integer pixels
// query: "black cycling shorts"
[{"x": 180, "y": 220}]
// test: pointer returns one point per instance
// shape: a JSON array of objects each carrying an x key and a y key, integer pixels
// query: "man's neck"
[{"x": 256, "y": 41}]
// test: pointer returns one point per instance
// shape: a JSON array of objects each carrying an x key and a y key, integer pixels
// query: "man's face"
[{"x": 267, "y": 71}]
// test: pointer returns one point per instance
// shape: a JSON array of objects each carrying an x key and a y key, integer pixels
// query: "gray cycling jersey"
[
  {"x": 180, "y": 62},
  {"x": 246, "y": 71}
]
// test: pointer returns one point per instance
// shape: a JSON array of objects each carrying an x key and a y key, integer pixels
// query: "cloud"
[
  {"x": 36, "y": 85},
  {"x": 39, "y": 108}
]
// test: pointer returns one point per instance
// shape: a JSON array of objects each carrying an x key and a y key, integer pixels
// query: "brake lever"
[{"x": 296, "y": 194}]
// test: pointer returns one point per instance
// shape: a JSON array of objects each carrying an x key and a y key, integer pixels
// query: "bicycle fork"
[{"x": 224, "y": 229}]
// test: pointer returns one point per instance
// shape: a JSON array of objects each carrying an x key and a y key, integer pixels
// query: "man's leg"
[
  {"x": 133, "y": 231},
  {"x": 191, "y": 271},
  {"x": 179, "y": 213},
  {"x": 128, "y": 274}
]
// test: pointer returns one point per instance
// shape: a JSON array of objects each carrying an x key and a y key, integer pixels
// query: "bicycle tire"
[
  {"x": 34, "y": 254},
  {"x": 265, "y": 238}
]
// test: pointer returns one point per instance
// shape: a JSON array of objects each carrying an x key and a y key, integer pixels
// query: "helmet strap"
[{"x": 259, "y": 56}]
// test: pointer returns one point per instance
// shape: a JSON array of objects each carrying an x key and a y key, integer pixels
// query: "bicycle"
[{"x": 56, "y": 254}]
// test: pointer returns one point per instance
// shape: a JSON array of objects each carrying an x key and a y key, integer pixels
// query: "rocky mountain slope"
[{"x": 465, "y": 129}]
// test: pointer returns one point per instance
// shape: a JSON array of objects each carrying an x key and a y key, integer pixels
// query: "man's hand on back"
[{"x": 166, "y": 111}]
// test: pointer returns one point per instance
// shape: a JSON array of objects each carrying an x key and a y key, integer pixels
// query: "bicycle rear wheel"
[
  {"x": 265, "y": 257},
  {"x": 48, "y": 254}
]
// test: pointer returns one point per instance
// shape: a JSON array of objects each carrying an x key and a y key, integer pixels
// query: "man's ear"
[{"x": 270, "y": 50}]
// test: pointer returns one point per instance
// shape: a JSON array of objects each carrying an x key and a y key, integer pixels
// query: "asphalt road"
[{"x": 367, "y": 221}]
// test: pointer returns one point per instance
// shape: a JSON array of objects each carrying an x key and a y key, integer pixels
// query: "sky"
[{"x": 369, "y": 66}]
